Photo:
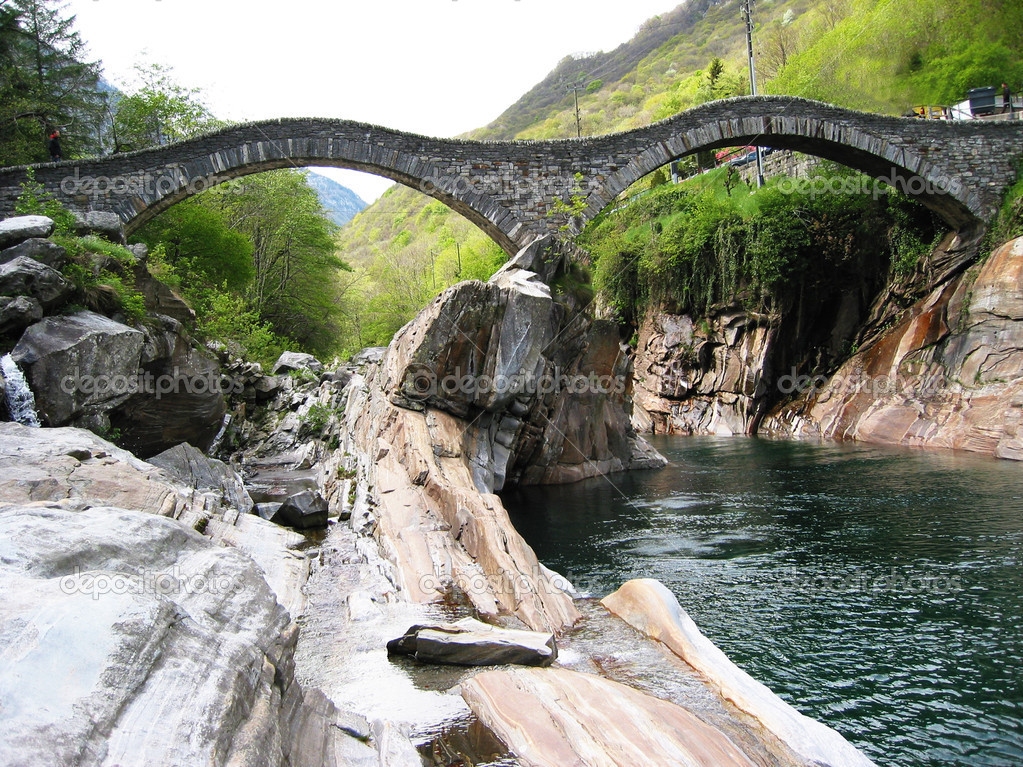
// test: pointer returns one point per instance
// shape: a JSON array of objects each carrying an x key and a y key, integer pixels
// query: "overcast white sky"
[{"x": 438, "y": 67}]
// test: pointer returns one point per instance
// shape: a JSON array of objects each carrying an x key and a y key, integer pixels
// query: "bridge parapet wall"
[{"x": 508, "y": 188}]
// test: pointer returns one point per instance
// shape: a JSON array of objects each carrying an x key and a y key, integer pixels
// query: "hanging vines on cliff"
[{"x": 693, "y": 246}]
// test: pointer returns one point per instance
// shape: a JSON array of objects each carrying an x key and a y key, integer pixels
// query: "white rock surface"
[
  {"x": 556, "y": 718},
  {"x": 127, "y": 638},
  {"x": 648, "y": 606},
  {"x": 125, "y": 635}
]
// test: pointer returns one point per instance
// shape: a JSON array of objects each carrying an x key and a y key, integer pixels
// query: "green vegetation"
[
  {"x": 407, "y": 251},
  {"x": 157, "y": 111},
  {"x": 1009, "y": 223},
  {"x": 891, "y": 55},
  {"x": 693, "y": 246},
  {"x": 45, "y": 83},
  {"x": 258, "y": 264},
  {"x": 97, "y": 268},
  {"x": 318, "y": 417}
]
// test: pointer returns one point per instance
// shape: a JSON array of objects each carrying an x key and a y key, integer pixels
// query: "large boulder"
[
  {"x": 18, "y": 313},
  {"x": 205, "y": 474},
  {"x": 106, "y": 225},
  {"x": 181, "y": 398},
  {"x": 24, "y": 276},
  {"x": 470, "y": 642},
  {"x": 42, "y": 250},
  {"x": 79, "y": 365},
  {"x": 303, "y": 511},
  {"x": 541, "y": 261},
  {"x": 21, "y": 228},
  {"x": 290, "y": 361}
]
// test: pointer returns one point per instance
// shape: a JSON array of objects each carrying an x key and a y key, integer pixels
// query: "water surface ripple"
[{"x": 876, "y": 589}]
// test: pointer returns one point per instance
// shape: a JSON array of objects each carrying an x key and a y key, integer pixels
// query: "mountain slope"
[
  {"x": 877, "y": 55},
  {"x": 340, "y": 202}
]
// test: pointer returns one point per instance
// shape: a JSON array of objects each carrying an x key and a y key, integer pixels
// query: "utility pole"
[
  {"x": 747, "y": 12},
  {"x": 578, "y": 122}
]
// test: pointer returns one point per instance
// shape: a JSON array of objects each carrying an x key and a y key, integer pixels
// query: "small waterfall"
[
  {"x": 20, "y": 400},
  {"x": 215, "y": 444}
]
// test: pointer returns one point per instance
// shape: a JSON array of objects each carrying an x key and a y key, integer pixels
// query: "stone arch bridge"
[{"x": 960, "y": 170}]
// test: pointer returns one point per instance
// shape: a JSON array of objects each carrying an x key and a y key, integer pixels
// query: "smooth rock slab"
[
  {"x": 473, "y": 643},
  {"x": 74, "y": 464},
  {"x": 560, "y": 718},
  {"x": 127, "y": 634},
  {"x": 648, "y": 606}
]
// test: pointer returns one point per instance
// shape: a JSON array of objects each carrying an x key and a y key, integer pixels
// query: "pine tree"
[{"x": 46, "y": 83}]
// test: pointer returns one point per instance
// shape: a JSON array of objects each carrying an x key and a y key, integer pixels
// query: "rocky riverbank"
[
  {"x": 252, "y": 644},
  {"x": 946, "y": 371}
]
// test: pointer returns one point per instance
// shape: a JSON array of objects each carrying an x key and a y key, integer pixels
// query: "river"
[{"x": 876, "y": 589}]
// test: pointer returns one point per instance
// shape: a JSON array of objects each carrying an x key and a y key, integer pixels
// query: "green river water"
[{"x": 878, "y": 590}]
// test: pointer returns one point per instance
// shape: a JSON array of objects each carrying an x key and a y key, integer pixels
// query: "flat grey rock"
[
  {"x": 472, "y": 643},
  {"x": 21, "y": 228}
]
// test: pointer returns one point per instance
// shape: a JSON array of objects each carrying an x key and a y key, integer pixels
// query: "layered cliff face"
[
  {"x": 949, "y": 374},
  {"x": 705, "y": 378},
  {"x": 945, "y": 372},
  {"x": 491, "y": 381}
]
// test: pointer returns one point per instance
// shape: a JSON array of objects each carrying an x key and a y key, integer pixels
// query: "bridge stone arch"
[
  {"x": 137, "y": 186},
  {"x": 510, "y": 188},
  {"x": 959, "y": 170}
]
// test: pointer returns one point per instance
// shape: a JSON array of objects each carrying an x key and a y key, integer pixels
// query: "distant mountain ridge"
[
  {"x": 340, "y": 202},
  {"x": 554, "y": 93}
]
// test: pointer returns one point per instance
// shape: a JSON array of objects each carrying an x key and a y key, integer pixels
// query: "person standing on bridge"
[
  {"x": 1006, "y": 98},
  {"x": 54, "y": 146}
]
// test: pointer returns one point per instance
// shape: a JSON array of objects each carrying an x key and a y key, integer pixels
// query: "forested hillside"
[{"x": 877, "y": 55}]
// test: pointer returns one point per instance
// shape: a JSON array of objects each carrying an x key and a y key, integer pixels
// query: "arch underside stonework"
[{"x": 509, "y": 189}]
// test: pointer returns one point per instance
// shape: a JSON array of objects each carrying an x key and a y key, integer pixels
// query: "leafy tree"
[
  {"x": 295, "y": 283},
  {"x": 46, "y": 83},
  {"x": 158, "y": 111},
  {"x": 715, "y": 70},
  {"x": 201, "y": 248}
]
